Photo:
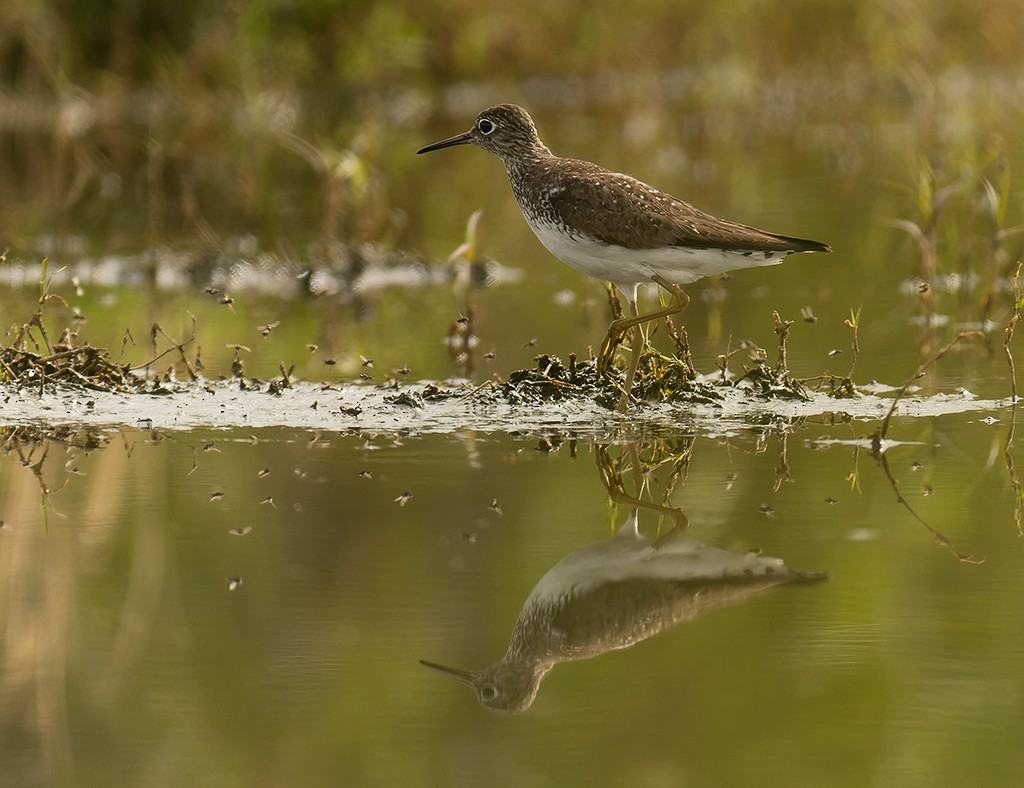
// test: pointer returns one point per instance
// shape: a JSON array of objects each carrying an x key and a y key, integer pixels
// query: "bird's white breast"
[{"x": 628, "y": 267}]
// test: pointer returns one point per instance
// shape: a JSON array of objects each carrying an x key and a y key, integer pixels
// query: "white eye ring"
[{"x": 485, "y": 126}]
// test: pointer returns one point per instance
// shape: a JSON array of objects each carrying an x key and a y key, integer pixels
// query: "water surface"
[{"x": 229, "y": 607}]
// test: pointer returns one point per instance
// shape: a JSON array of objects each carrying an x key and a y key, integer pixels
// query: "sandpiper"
[{"x": 613, "y": 227}]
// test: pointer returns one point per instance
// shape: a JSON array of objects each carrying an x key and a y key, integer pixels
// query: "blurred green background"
[{"x": 135, "y": 122}]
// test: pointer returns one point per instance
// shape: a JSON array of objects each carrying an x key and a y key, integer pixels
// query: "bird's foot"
[
  {"x": 604, "y": 359},
  {"x": 616, "y": 331}
]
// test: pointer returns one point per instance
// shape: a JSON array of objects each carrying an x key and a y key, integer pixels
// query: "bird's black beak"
[
  {"x": 459, "y": 139},
  {"x": 461, "y": 675}
]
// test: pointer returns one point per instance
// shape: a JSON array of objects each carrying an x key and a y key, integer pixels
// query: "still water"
[{"x": 250, "y": 607}]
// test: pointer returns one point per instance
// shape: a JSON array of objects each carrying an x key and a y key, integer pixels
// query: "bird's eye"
[
  {"x": 485, "y": 126},
  {"x": 488, "y": 692}
]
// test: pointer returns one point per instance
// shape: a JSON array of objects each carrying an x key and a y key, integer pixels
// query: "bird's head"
[
  {"x": 504, "y": 686},
  {"x": 506, "y": 130}
]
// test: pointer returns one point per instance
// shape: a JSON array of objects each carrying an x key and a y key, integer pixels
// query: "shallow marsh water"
[{"x": 229, "y": 607}]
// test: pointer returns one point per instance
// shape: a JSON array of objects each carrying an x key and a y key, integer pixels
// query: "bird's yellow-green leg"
[
  {"x": 634, "y": 364},
  {"x": 619, "y": 327}
]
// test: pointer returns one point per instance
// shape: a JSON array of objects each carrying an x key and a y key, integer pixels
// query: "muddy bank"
[{"x": 449, "y": 407}]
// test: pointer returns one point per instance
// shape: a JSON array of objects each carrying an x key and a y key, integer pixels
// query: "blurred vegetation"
[
  {"x": 220, "y": 118},
  {"x": 132, "y": 125}
]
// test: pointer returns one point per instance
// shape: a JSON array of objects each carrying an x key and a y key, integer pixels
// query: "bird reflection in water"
[{"x": 616, "y": 593}]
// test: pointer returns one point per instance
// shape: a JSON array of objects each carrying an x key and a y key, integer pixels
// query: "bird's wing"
[{"x": 620, "y": 210}]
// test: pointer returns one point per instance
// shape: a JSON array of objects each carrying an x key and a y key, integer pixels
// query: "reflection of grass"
[
  {"x": 1011, "y": 467},
  {"x": 32, "y": 446}
]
